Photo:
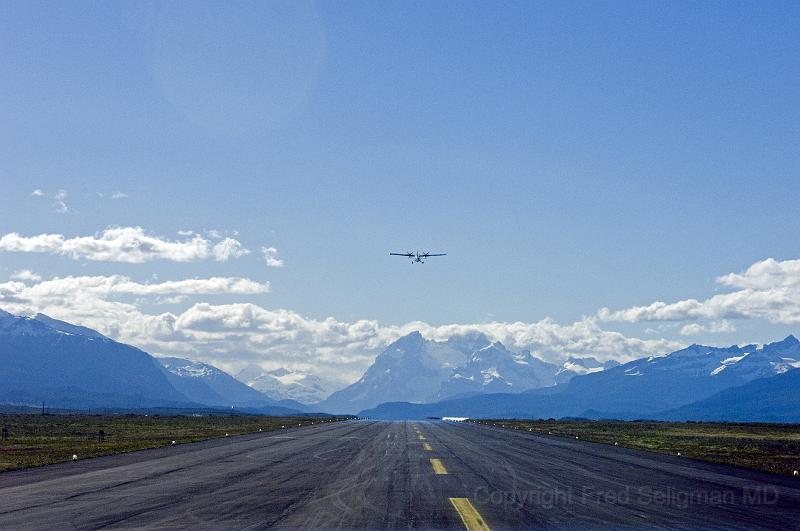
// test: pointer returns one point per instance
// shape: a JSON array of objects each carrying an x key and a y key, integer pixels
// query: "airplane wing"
[
  {"x": 407, "y": 255},
  {"x": 426, "y": 255}
]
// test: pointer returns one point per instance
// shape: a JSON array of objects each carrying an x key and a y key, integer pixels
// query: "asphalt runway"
[{"x": 363, "y": 474}]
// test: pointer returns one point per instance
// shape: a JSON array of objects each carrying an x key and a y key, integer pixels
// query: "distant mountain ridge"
[
  {"x": 206, "y": 384},
  {"x": 417, "y": 370},
  {"x": 65, "y": 365},
  {"x": 285, "y": 384},
  {"x": 771, "y": 399},
  {"x": 495, "y": 369},
  {"x": 580, "y": 366},
  {"x": 643, "y": 388},
  {"x": 67, "y": 327},
  {"x": 408, "y": 369},
  {"x": 41, "y": 359}
]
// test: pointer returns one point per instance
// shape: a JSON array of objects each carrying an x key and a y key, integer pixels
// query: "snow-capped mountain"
[
  {"x": 495, "y": 369},
  {"x": 579, "y": 366},
  {"x": 65, "y": 365},
  {"x": 43, "y": 359},
  {"x": 650, "y": 385},
  {"x": 67, "y": 327},
  {"x": 417, "y": 370},
  {"x": 282, "y": 384},
  {"x": 206, "y": 384},
  {"x": 643, "y": 388},
  {"x": 410, "y": 369}
]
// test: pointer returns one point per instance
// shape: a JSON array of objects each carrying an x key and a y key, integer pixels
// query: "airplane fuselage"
[{"x": 417, "y": 257}]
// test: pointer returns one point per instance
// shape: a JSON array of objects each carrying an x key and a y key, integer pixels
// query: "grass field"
[
  {"x": 770, "y": 447},
  {"x": 35, "y": 440}
]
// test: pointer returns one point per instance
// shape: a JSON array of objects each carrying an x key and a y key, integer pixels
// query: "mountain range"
[
  {"x": 698, "y": 381},
  {"x": 285, "y": 384},
  {"x": 770, "y": 399},
  {"x": 73, "y": 366},
  {"x": 416, "y": 370},
  {"x": 206, "y": 384},
  {"x": 68, "y": 366}
]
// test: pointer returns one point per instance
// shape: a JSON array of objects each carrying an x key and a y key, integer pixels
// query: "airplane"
[{"x": 417, "y": 257}]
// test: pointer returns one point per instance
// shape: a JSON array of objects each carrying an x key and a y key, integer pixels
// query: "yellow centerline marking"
[
  {"x": 469, "y": 515},
  {"x": 426, "y": 446},
  {"x": 438, "y": 467}
]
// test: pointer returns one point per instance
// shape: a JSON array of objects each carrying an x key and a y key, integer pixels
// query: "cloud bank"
[
  {"x": 125, "y": 244},
  {"x": 716, "y": 327},
  {"x": 233, "y": 335},
  {"x": 768, "y": 290}
]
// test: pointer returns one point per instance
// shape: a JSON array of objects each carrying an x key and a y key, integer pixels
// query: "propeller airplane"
[{"x": 417, "y": 257}]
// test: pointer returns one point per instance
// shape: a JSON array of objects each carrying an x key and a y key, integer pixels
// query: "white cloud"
[
  {"x": 25, "y": 274},
  {"x": 60, "y": 203},
  {"x": 124, "y": 244},
  {"x": 271, "y": 257},
  {"x": 114, "y": 305},
  {"x": 232, "y": 335},
  {"x": 766, "y": 274},
  {"x": 550, "y": 340},
  {"x": 716, "y": 327},
  {"x": 227, "y": 249},
  {"x": 769, "y": 290},
  {"x": 177, "y": 299},
  {"x": 59, "y": 288}
]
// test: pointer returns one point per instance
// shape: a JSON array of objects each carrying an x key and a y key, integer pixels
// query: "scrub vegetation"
[
  {"x": 34, "y": 440},
  {"x": 769, "y": 447}
]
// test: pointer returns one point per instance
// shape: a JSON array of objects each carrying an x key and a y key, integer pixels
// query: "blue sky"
[{"x": 569, "y": 156}]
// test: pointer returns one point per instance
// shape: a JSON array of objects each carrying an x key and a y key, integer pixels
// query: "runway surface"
[{"x": 362, "y": 474}]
